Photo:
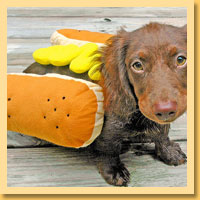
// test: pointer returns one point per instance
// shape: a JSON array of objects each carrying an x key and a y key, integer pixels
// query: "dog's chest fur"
[{"x": 138, "y": 125}]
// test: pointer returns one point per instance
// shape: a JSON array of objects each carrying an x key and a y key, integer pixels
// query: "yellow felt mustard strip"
[
  {"x": 83, "y": 63},
  {"x": 42, "y": 55},
  {"x": 94, "y": 72},
  {"x": 88, "y": 49},
  {"x": 63, "y": 55},
  {"x": 80, "y": 59},
  {"x": 58, "y": 55}
]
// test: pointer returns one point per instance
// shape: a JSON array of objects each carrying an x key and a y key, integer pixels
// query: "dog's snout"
[{"x": 165, "y": 111}]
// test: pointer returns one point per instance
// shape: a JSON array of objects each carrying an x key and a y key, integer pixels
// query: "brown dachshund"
[{"x": 144, "y": 77}]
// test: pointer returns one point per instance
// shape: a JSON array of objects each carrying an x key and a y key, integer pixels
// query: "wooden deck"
[{"x": 36, "y": 163}]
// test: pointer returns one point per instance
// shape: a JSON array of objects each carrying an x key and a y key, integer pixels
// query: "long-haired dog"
[{"x": 144, "y": 77}]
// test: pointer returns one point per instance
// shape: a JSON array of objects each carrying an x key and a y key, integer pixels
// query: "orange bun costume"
[
  {"x": 59, "y": 109},
  {"x": 78, "y": 37}
]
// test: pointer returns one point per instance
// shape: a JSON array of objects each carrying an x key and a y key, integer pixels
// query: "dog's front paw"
[
  {"x": 171, "y": 154},
  {"x": 116, "y": 175}
]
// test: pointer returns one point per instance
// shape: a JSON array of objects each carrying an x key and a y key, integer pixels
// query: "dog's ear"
[
  {"x": 114, "y": 69},
  {"x": 114, "y": 59},
  {"x": 184, "y": 30}
]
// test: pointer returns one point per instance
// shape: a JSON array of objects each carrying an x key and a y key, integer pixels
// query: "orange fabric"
[
  {"x": 57, "y": 110},
  {"x": 85, "y": 35}
]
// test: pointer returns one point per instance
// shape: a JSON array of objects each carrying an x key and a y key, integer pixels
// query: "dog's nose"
[{"x": 165, "y": 111}]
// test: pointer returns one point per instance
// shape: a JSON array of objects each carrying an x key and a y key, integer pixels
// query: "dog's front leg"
[
  {"x": 108, "y": 146},
  {"x": 167, "y": 150},
  {"x": 113, "y": 170}
]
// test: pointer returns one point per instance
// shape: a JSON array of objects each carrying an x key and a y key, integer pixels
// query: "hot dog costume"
[{"x": 57, "y": 108}]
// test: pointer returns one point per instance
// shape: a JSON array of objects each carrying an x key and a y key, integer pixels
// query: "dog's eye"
[
  {"x": 137, "y": 66},
  {"x": 181, "y": 60}
]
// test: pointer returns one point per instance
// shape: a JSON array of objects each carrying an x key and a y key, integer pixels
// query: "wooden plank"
[
  {"x": 17, "y": 27},
  {"x": 98, "y": 11},
  {"x": 24, "y": 60},
  {"x": 16, "y": 140},
  {"x": 18, "y": 68},
  {"x": 178, "y": 129},
  {"x": 19, "y": 51},
  {"x": 20, "y": 46},
  {"x": 51, "y": 167},
  {"x": 62, "y": 167}
]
